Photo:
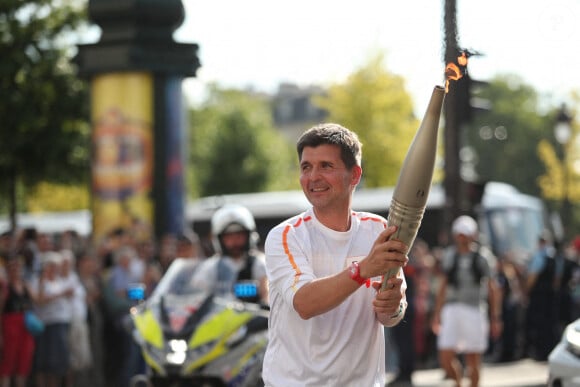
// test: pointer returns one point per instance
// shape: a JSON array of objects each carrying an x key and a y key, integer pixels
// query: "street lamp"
[{"x": 563, "y": 133}]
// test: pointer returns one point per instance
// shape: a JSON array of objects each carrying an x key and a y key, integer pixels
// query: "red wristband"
[{"x": 354, "y": 272}]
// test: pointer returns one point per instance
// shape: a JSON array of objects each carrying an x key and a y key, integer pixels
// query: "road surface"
[{"x": 521, "y": 373}]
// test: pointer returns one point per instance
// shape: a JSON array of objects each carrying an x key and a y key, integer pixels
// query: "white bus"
[
  {"x": 52, "y": 222},
  {"x": 510, "y": 221}
]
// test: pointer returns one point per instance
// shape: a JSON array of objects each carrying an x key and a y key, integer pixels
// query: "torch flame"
[
  {"x": 453, "y": 72},
  {"x": 462, "y": 59}
]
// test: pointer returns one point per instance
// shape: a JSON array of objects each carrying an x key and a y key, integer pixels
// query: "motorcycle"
[{"x": 189, "y": 336}]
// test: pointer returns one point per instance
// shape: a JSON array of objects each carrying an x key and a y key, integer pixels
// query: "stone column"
[{"x": 137, "y": 115}]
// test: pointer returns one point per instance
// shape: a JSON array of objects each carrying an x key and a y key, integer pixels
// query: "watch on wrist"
[
  {"x": 402, "y": 307},
  {"x": 354, "y": 271}
]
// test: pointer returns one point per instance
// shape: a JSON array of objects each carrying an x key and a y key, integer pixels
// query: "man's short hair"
[{"x": 333, "y": 134}]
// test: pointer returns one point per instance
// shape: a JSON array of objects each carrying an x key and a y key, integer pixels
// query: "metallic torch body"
[{"x": 412, "y": 188}]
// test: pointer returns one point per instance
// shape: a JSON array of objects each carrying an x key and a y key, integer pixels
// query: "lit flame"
[
  {"x": 462, "y": 60},
  {"x": 453, "y": 72}
]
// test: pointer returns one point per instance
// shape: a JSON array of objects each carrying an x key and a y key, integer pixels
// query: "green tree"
[
  {"x": 234, "y": 147},
  {"x": 374, "y": 103},
  {"x": 506, "y": 135},
  {"x": 58, "y": 197},
  {"x": 44, "y": 135}
]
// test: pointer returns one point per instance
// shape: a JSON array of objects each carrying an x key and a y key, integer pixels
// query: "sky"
[{"x": 259, "y": 44}]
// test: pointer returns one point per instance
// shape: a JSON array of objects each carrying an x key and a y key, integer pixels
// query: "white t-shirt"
[
  {"x": 79, "y": 299},
  {"x": 58, "y": 310},
  {"x": 342, "y": 347}
]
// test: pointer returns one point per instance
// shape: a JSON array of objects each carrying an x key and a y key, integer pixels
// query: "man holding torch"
[{"x": 325, "y": 268}]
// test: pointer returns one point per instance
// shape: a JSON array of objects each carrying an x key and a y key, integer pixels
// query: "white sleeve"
[{"x": 287, "y": 266}]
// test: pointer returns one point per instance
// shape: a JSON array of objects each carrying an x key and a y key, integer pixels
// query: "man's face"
[
  {"x": 235, "y": 243},
  {"x": 462, "y": 240},
  {"x": 185, "y": 249},
  {"x": 168, "y": 247},
  {"x": 324, "y": 178},
  {"x": 45, "y": 242}
]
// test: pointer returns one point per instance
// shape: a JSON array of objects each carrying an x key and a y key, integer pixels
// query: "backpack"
[{"x": 475, "y": 268}]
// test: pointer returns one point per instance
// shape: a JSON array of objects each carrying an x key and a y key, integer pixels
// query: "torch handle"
[
  {"x": 415, "y": 178},
  {"x": 407, "y": 219}
]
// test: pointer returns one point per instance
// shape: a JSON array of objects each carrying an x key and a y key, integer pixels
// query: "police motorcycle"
[{"x": 192, "y": 336}]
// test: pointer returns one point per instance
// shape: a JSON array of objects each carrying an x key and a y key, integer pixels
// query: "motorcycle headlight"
[
  {"x": 177, "y": 353},
  {"x": 572, "y": 338}
]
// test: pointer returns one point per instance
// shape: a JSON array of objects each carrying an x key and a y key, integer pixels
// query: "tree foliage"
[
  {"x": 58, "y": 197},
  {"x": 551, "y": 181},
  {"x": 44, "y": 135},
  {"x": 505, "y": 137},
  {"x": 234, "y": 147},
  {"x": 374, "y": 103}
]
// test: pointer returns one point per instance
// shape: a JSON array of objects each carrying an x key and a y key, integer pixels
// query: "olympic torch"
[{"x": 412, "y": 189}]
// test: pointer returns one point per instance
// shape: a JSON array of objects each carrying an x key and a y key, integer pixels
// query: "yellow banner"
[{"x": 122, "y": 164}]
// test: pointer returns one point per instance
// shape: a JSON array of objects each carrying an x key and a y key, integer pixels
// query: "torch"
[{"x": 412, "y": 188}]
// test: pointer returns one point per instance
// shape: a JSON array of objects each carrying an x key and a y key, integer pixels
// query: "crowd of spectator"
[
  {"x": 79, "y": 292},
  {"x": 540, "y": 296}
]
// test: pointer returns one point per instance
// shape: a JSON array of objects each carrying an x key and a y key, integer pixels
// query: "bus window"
[{"x": 514, "y": 231}]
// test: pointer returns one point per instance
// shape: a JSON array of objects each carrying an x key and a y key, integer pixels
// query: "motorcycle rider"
[{"x": 236, "y": 257}]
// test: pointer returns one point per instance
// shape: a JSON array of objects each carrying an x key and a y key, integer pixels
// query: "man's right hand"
[{"x": 386, "y": 254}]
